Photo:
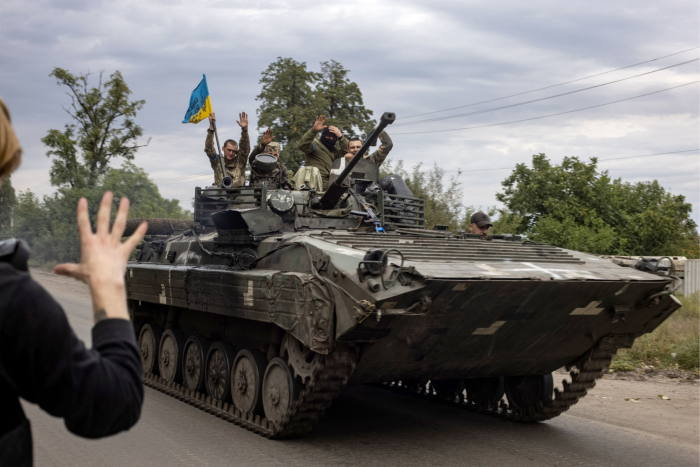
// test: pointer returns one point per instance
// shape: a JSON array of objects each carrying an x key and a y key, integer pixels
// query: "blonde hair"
[{"x": 10, "y": 150}]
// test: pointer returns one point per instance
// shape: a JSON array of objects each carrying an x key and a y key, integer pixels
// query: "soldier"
[
  {"x": 322, "y": 150},
  {"x": 278, "y": 178},
  {"x": 377, "y": 156},
  {"x": 480, "y": 223},
  {"x": 235, "y": 156}
]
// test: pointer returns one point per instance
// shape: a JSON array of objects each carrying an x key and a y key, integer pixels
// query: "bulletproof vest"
[{"x": 15, "y": 445}]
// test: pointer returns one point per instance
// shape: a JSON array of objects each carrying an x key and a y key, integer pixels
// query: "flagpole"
[{"x": 219, "y": 151}]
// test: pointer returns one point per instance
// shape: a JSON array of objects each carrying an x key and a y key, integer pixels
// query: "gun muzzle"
[{"x": 227, "y": 183}]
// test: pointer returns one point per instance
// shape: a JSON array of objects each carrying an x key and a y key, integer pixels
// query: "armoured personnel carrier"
[{"x": 271, "y": 301}]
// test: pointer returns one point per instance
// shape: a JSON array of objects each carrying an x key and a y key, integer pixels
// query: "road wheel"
[
  {"x": 525, "y": 392},
  {"x": 218, "y": 370},
  {"x": 246, "y": 381},
  {"x": 482, "y": 390},
  {"x": 149, "y": 338},
  {"x": 170, "y": 351},
  {"x": 193, "y": 361},
  {"x": 279, "y": 390}
]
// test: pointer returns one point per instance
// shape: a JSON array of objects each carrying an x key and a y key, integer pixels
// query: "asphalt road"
[{"x": 368, "y": 426}]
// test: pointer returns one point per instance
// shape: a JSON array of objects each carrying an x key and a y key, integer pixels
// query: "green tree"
[
  {"x": 145, "y": 199},
  {"x": 342, "y": 101},
  {"x": 575, "y": 206},
  {"x": 292, "y": 96},
  {"x": 102, "y": 129},
  {"x": 49, "y": 224},
  {"x": 288, "y": 105},
  {"x": 30, "y": 217},
  {"x": 8, "y": 202}
]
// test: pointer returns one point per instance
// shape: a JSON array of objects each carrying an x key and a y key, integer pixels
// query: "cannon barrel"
[
  {"x": 157, "y": 226},
  {"x": 336, "y": 189}
]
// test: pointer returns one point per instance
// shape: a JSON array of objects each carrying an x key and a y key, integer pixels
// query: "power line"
[
  {"x": 600, "y": 160},
  {"x": 547, "y": 116},
  {"x": 542, "y": 98},
  {"x": 552, "y": 86},
  {"x": 648, "y": 155}
]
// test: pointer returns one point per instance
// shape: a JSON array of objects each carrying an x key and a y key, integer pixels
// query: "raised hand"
[
  {"x": 267, "y": 138},
  {"x": 320, "y": 123},
  {"x": 335, "y": 131},
  {"x": 212, "y": 121},
  {"x": 103, "y": 257},
  {"x": 242, "y": 120}
]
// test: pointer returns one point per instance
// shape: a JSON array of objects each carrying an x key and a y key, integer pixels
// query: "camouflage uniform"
[
  {"x": 380, "y": 154},
  {"x": 317, "y": 155},
  {"x": 278, "y": 178},
  {"x": 236, "y": 168}
]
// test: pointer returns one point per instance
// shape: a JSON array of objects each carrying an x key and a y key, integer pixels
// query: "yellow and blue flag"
[{"x": 200, "y": 104}]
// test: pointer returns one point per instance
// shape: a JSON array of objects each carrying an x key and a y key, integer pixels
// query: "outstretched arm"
[
  {"x": 209, "y": 147},
  {"x": 266, "y": 139},
  {"x": 244, "y": 143},
  {"x": 306, "y": 143},
  {"x": 382, "y": 152},
  {"x": 97, "y": 391}
]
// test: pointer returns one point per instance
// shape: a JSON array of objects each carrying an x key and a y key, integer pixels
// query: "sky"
[{"x": 408, "y": 57}]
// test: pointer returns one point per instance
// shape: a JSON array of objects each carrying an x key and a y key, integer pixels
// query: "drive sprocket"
[{"x": 304, "y": 361}]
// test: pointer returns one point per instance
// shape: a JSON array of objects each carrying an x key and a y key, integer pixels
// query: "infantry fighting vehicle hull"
[{"x": 273, "y": 300}]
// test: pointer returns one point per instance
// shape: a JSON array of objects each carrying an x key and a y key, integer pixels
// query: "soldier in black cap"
[{"x": 480, "y": 223}]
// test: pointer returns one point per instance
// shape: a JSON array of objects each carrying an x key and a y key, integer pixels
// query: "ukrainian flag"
[{"x": 200, "y": 104}]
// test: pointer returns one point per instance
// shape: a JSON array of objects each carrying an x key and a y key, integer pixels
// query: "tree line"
[
  {"x": 101, "y": 130},
  {"x": 572, "y": 205}
]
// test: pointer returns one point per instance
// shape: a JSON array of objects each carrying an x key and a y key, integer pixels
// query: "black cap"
[{"x": 481, "y": 219}]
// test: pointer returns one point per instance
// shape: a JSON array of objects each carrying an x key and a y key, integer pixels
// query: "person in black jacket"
[{"x": 97, "y": 391}]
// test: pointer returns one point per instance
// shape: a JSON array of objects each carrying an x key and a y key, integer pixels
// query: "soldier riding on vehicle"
[
  {"x": 377, "y": 156},
  {"x": 480, "y": 223},
  {"x": 321, "y": 151},
  {"x": 235, "y": 156},
  {"x": 279, "y": 177}
]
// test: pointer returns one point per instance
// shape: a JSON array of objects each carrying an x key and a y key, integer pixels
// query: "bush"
[{"x": 49, "y": 225}]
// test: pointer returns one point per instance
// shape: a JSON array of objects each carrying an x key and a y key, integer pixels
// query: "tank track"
[
  {"x": 315, "y": 397},
  {"x": 589, "y": 368}
]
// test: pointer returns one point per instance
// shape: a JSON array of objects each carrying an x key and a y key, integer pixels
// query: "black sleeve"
[{"x": 97, "y": 391}]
